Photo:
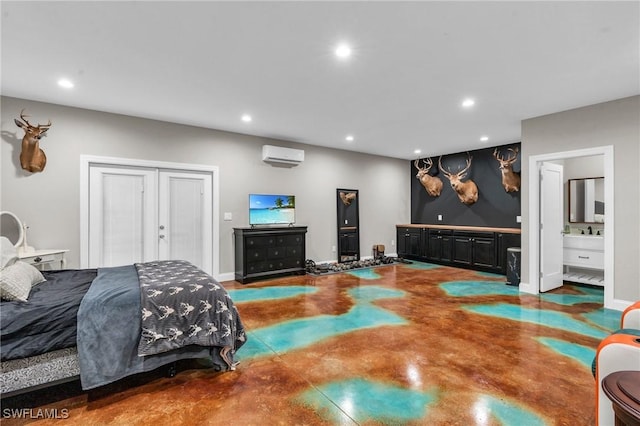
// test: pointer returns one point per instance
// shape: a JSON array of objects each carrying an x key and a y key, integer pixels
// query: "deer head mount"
[
  {"x": 347, "y": 197},
  {"x": 510, "y": 179},
  {"x": 432, "y": 184},
  {"x": 32, "y": 158},
  {"x": 467, "y": 191}
]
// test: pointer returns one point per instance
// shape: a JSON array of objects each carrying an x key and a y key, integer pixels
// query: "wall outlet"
[
  {"x": 439, "y": 218},
  {"x": 393, "y": 243},
  {"x": 518, "y": 219},
  {"x": 228, "y": 216},
  {"x": 333, "y": 249}
]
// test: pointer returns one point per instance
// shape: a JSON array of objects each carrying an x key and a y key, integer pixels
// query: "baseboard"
[
  {"x": 231, "y": 276},
  {"x": 528, "y": 288},
  {"x": 226, "y": 276},
  {"x": 620, "y": 305}
]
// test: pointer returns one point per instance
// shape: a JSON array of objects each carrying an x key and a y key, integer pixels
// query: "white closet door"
[
  {"x": 185, "y": 217},
  {"x": 122, "y": 215}
]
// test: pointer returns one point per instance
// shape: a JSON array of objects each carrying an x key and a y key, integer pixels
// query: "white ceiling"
[{"x": 207, "y": 63}]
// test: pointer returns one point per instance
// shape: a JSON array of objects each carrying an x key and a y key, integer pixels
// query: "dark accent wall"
[{"x": 494, "y": 208}]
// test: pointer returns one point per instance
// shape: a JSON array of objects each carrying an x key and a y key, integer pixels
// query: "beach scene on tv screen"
[{"x": 267, "y": 209}]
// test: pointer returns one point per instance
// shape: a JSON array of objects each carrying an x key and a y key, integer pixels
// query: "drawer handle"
[
  {"x": 583, "y": 257},
  {"x": 37, "y": 259}
]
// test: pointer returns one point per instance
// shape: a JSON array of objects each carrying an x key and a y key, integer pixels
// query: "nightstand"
[{"x": 45, "y": 259}]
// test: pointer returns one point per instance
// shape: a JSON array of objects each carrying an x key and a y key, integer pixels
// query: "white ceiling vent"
[{"x": 282, "y": 155}]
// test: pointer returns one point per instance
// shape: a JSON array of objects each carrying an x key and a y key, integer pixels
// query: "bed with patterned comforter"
[{"x": 131, "y": 319}]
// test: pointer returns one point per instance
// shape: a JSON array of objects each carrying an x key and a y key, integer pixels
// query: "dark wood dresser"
[{"x": 262, "y": 253}]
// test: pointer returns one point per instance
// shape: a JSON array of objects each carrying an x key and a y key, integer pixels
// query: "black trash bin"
[{"x": 513, "y": 266}]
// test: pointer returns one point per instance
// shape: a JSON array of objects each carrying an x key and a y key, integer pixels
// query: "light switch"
[{"x": 228, "y": 216}]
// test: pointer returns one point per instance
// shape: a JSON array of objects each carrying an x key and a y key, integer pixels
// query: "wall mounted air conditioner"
[{"x": 282, "y": 155}]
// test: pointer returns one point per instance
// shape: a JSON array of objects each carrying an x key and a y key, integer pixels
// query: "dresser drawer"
[
  {"x": 259, "y": 241},
  {"x": 45, "y": 259},
  {"x": 276, "y": 252},
  {"x": 256, "y": 255},
  {"x": 583, "y": 258}
]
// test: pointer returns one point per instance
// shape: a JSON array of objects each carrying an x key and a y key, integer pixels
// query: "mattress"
[{"x": 47, "y": 321}]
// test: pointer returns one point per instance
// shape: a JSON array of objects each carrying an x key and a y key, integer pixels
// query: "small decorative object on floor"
[{"x": 324, "y": 268}]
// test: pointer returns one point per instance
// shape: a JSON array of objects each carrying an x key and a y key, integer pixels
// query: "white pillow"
[
  {"x": 16, "y": 281},
  {"x": 8, "y": 253}
]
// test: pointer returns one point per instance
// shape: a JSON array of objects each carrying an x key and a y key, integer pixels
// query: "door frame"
[
  {"x": 86, "y": 161},
  {"x": 533, "y": 286}
]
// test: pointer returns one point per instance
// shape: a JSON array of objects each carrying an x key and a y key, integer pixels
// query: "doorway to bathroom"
[{"x": 540, "y": 252}]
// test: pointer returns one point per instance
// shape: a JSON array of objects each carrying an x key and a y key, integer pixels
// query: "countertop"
[{"x": 462, "y": 228}]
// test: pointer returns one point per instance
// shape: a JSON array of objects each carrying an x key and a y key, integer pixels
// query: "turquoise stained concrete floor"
[{"x": 415, "y": 344}]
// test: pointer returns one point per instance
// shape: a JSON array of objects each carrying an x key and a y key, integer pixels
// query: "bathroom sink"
[{"x": 588, "y": 242}]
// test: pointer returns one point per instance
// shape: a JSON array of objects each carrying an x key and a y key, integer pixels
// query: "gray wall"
[
  {"x": 49, "y": 202},
  {"x": 615, "y": 123}
]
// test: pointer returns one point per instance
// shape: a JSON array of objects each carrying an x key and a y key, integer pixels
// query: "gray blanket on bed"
[
  {"x": 182, "y": 305},
  {"x": 109, "y": 330}
]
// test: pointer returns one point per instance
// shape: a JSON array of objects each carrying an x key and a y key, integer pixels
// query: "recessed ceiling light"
[
  {"x": 417, "y": 151},
  {"x": 349, "y": 138},
  {"x": 67, "y": 84},
  {"x": 246, "y": 118},
  {"x": 484, "y": 138},
  {"x": 343, "y": 51},
  {"x": 468, "y": 103}
]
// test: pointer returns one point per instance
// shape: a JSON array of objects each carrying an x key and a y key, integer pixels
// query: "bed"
[{"x": 104, "y": 324}]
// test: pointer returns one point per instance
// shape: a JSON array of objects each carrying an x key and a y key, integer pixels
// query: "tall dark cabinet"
[
  {"x": 262, "y": 253},
  {"x": 348, "y": 225}
]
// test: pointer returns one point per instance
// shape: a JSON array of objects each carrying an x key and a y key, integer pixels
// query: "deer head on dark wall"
[
  {"x": 510, "y": 179},
  {"x": 467, "y": 190}
]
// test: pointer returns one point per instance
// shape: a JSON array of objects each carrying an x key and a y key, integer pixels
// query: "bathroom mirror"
[
  {"x": 11, "y": 227},
  {"x": 586, "y": 200}
]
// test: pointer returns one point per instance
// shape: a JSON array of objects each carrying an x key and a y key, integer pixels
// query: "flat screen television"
[{"x": 272, "y": 209}]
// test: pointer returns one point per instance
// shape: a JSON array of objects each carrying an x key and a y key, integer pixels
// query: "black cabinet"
[
  {"x": 262, "y": 253},
  {"x": 474, "y": 249},
  {"x": 411, "y": 242},
  {"x": 439, "y": 245},
  {"x": 348, "y": 225},
  {"x": 459, "y": 246},
  {"x": 349, "y": 244}
]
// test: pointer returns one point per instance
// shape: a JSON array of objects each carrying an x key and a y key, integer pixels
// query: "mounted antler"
[
  {"x": 510, "y": 179},
  {"x": 347, "y": 198},
  {"x": 467, "y": 191},
  {"x": 432, "y": 184},
  {"x": 32, "y": 158}
]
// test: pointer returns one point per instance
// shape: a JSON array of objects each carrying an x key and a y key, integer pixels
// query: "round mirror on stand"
[{"x": 11, "y": 227}]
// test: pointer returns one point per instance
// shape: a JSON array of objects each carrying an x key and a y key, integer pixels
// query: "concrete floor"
[{"x": 415, "y": 344}]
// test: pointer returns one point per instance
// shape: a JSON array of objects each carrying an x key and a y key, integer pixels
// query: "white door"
[
  {"x": 184, "y": 217},
  {"x": 122, "y": 208},
  {"x": 551, "y": 226},
  {"x": 139, "y": 214}
]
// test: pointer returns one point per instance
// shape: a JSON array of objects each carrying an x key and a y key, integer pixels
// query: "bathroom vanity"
[{"x": 583, "y": 258}]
